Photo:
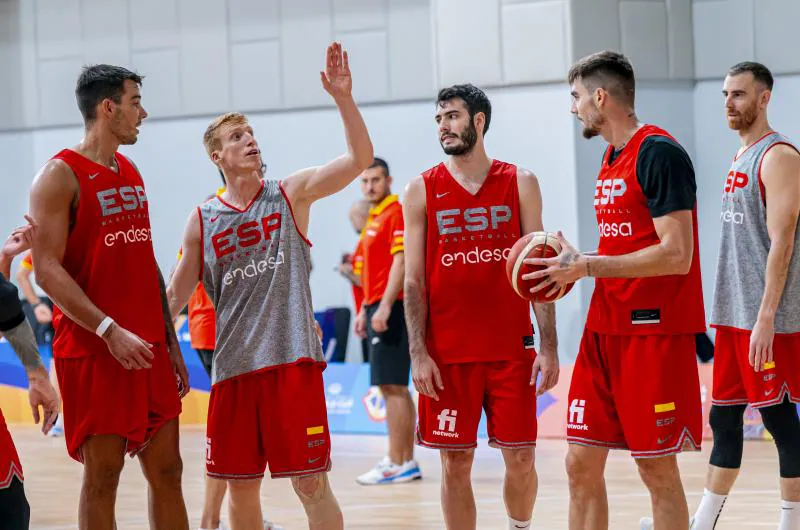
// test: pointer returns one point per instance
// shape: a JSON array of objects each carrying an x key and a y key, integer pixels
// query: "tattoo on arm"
[
  {"x": 546, "y": 318},
  {"x": 23, "y": 342}
]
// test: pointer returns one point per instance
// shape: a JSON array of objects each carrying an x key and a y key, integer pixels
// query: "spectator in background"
[
  {"x": 383, "y": 322},
  {"x": 40, "y": 315},
  {"x": 352, "y": 265}
]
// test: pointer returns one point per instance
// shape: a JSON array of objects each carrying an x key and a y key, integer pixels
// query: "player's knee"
[
  {"x": 103, "y": 476},
  {"x": 457, "y": 465},
  {"x": 783, "y": 424},
  {"x": 727, "y": 424},
  {"x": 659, "y": 473},
  {"x": 393, "y": 390},
  {"x": 166, "y": 474},
  {"x": 520, "y": 461},
  {"x": 581, "y": 471},
  {"x": 310, "y": 489}
]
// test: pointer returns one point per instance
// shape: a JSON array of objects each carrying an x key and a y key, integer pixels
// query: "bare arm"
[
  {"x": 395, "y": 282},
  {"x": 415, "y": 295},
  {"x": 311, "y": 184},
  {"x": 780, "y": 173},
  {"x": 187, "y": 272},
  {"x": 530, "y": 206},
  {"x": 54, "y": 192},
  {"x": 672, "y": 255}
]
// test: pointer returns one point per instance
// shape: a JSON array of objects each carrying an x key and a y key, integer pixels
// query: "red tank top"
[
  {"x": 639, "y": 306},
  {"x": 474, "y": 315},
  {"x": 109, "y": 254}
]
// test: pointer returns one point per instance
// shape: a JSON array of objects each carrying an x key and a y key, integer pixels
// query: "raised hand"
[
  {"x": 336, "y": 78},
  {"x": 20, "y": 239}
]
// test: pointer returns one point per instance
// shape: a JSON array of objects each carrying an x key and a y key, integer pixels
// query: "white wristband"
[{"x": 103, "y": 327}]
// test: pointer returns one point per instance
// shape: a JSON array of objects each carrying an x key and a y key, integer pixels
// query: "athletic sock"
[
  {"x": 513, "y": 524},
  {"x": 708, "y": 512},
  {"x": 790, "y": 516}
]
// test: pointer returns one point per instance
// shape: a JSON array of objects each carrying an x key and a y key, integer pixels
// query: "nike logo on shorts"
[
  {"x": 312, "y": 460},
  {"x": 440, "y": 195}
]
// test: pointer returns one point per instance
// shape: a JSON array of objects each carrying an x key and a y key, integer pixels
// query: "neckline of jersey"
[
  {"x": 101, "y": 166},
  {"x": 610, "y": 149},
  {"x": 465, "y": 190},
  {"x": 249, "y": 204},
  {"x": 746, "y": 149}
]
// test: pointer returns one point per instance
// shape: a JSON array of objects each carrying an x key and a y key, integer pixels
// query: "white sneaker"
[
  {"x": 268, "y": 525},
  {"x": 386, "y": 472}
]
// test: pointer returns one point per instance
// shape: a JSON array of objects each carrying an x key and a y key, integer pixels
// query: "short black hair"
[
  {"x": 99, "y": 82},
  {"x": 380, "y": 162},
  {"x": 760, "y": 72},
  {"x": 474, "y": 98},
  {"x": 609, "y": 70}
]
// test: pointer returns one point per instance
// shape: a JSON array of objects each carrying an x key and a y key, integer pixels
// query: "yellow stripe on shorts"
[
  {"x": 769, "y": 365},
  {"x": 315, "y": 430},
  {"x": 665, "y": 407}
]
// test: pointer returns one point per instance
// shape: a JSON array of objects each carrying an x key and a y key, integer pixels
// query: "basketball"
[{"x": 533, "y": 245}]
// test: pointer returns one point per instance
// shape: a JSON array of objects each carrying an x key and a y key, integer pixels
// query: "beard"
[
  {"x": 468, "y": 140},
  {"x": 591, "y": 126},
  {"x": 124, "y": 134},
  {"x": 744, "y": 119}
]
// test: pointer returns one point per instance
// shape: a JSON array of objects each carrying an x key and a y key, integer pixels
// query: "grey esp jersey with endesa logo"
[
  {"x": 256, "y": 268},
  {"x": 745, "y": 244}
]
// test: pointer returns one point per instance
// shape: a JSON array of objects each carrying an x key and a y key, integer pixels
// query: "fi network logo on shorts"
[
  {"x": 576, "y": 410},
  {"x": 447, "y": 424},
  {"x": 208, "y": 452}
]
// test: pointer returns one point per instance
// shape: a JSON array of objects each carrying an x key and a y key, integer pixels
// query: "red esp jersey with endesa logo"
[
  {"x": 662, "y": 305},
  {"x": 474, "y": 315},
  {"x": 109, "y": 254}
]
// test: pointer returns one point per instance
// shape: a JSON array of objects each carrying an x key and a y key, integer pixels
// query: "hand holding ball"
[{"x": 533, "y": 245}]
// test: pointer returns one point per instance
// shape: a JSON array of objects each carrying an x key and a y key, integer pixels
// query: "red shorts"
[
  {"x": 99, "y": 396},
  {"x": 277, "y": 415},
  {"x": 735, "y": 381},
  {"x": 500, "y": 388},
  {"x": 9, "y": 459},
  {"x": 636, "y": 392}
]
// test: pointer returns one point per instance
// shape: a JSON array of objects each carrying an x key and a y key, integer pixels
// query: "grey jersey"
[
  {"x": 256, "y": 269},
  {"x": 744, "y": 246}
]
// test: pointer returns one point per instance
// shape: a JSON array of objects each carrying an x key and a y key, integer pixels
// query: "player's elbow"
[
  {"x": 45, "y": 278},
  {"x": 412, "y": 285},
  {"x": 680, "y": 259},
  {"x": 363, "y": 155}
]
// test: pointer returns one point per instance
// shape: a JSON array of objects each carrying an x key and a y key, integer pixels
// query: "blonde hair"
[{"x": 211, "y": 138}]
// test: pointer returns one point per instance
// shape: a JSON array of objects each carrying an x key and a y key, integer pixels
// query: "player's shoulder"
[
  {"x": 56, "y": 174},
  {"x": 661, "y": 144},
  {"x": 782, "y": 156}
]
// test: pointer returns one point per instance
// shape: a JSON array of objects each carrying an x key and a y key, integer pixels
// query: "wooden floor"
[{"x": 53, "y": 482}]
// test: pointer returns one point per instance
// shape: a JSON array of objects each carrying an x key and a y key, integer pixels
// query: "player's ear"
[
  {"x": 765, "y": 96},
  {"x": 215, "y": 157},
  {"x": 479, "y": 121}
]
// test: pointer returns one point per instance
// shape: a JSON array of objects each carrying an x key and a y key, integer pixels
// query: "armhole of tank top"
[
  {"x": 291, "y": 211},
  {"x": 202, "y": 246},
  {"x": 761, "y": 188},
  {"x": 64, "y": 156}
]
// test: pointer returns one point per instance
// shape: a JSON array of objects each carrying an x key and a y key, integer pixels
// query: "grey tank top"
[
  {"x": 744, "y": 246},
  {"x": 256, "y": 269}
]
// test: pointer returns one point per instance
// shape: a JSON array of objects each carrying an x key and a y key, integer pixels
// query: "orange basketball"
[{"x": 533, "y": 245}]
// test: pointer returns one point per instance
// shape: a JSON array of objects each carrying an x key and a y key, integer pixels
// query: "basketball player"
[
  {"x": 471, "y": 336},
  {"x": 43, "y": 313},
  {"x": 249, "y": 247},
  {"x": 14, "y": 508},
  {"x": 382, "y": 322},
  {"x": 117, "y": 357},
  {"x": 635, "y": 384},
  {"x": 757, "y": 298}
]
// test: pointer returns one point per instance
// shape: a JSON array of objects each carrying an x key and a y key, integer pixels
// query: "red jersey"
[
  {"x": 357, "y": 261},
  {"x": 639, "y": 306},
  {"x": 109, "y": 254},
  {"x": 474, "y": 315},
  {"x": 382, "y": 239}
]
